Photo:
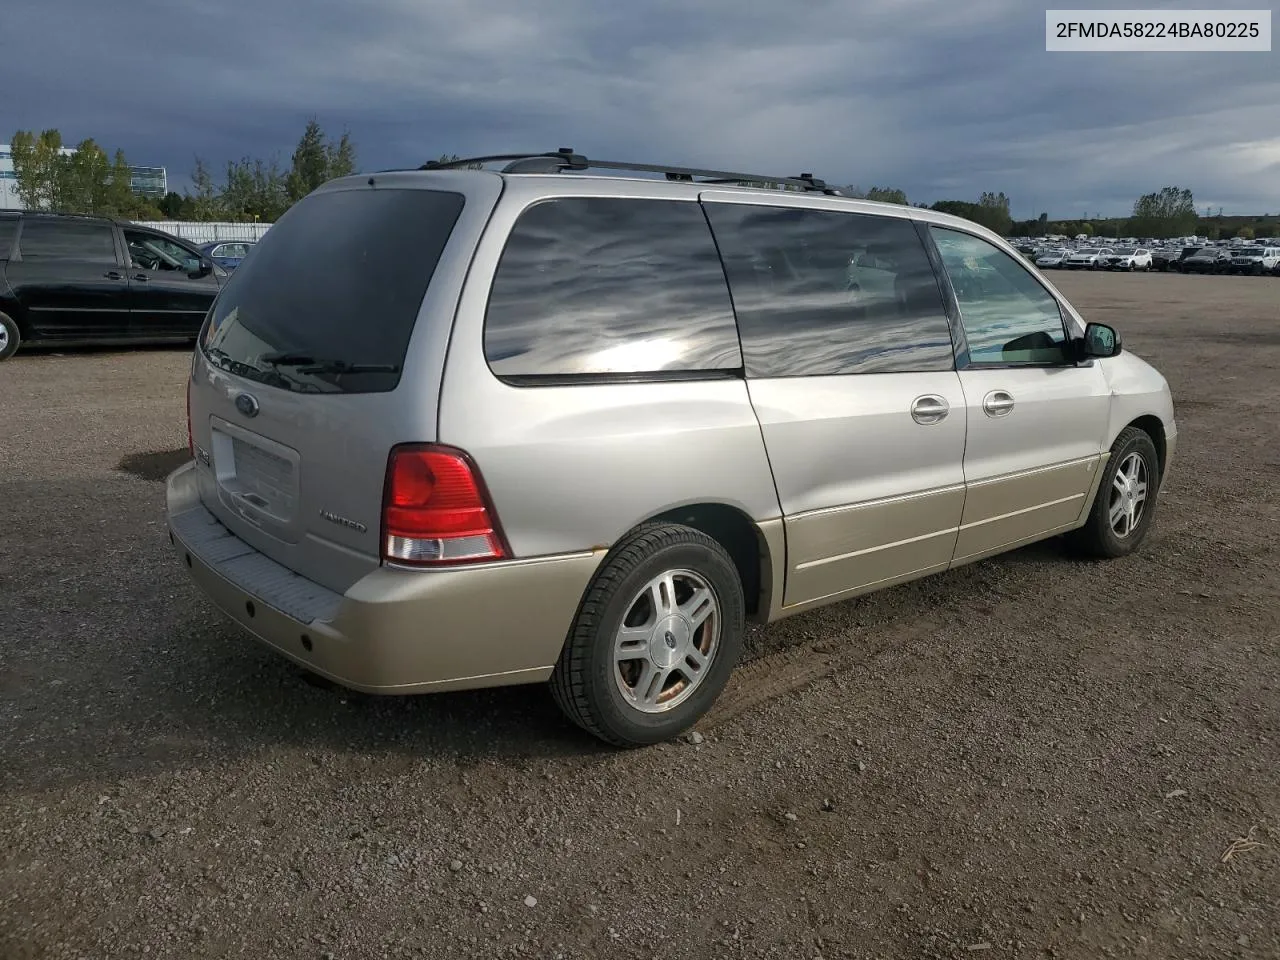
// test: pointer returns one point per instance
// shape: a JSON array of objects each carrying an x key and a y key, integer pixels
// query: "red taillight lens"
[
  {"x": 191, "y": 440},
  {"x": 435, "y": 509}
]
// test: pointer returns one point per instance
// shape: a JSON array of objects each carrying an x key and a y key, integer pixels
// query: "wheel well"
[
  {"x": 12, "y": 311},
  {"x": 1154, "y": 428},
  {"x": 734, "y": 531}
]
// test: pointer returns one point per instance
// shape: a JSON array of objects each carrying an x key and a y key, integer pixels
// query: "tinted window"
[
  {"x": 67, "y": 240},
  {"x": 340, "y": 277},
  {"x": 820, "y": 292},
  {"x": 8, "y": 228},
  {"x": 1008, "y": 316},
  {"x": 601, "y": 285},
  {"x": 150, "y": 252}
]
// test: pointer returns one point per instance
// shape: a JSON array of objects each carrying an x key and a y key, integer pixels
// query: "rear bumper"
[{"x": 395, "y": 630}]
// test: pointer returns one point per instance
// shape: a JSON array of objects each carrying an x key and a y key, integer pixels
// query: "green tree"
[
  {"x": 310, "y": 165},
  {"x": 254, "y": 190},
  {"x": 342, "y": 157},
  {"x": 205, "y": 203},
  {"x": 317, "y": 160},
  {"x": 994, "y": 212},
  {"x": 887, "y": 195},
  {"x": 84, "y": 180},
  {"x": 120, "y": 200},
  {"x": 1169, "y": 212},
  {"x": 38, "y": 167},
  {"x": 171, "y": 207},
  {"x": 991, "y": 210},
  {"x": 1245, "y": 233},
  {"x": 1086, "y": 228}
]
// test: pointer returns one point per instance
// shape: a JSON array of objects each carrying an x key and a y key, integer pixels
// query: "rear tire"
[
  {"x": 10, "y": 337},
  {"x": 665, "y": 598},
  {"x": 1125, "y": 504}
]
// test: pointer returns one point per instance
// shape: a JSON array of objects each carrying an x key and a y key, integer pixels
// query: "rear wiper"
[
  {"x": 306, "y": 363},
  {"x": 341, "y": 366},
  {"x": 288, "y": 359}
]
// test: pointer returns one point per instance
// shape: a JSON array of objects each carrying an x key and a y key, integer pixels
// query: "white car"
[
  {"x": 1052, "y": 259},
  {"x": 1127, "y": 258},
  {"x": 1255, "y": 259},
  {"x": 1086, "y": 259}
]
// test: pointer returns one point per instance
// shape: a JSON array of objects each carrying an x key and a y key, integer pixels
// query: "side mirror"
[
  {"x": 199, "y": 268},
  {"x": 1099, "y": 341}
]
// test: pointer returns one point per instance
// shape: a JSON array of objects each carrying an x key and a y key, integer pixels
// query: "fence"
[{"x": 208, "y": 232}]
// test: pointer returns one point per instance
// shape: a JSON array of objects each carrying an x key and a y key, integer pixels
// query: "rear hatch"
[{"x": 312, "y": 365}]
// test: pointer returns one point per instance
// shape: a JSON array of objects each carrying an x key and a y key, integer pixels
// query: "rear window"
[
  {"x": 328, "y": 300},
  {"x": 8, "y": 227}
]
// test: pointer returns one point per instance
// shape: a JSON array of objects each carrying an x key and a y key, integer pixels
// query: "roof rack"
[{"x": 566, "y": 159}]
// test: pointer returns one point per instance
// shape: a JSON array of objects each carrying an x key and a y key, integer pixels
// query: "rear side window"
[
  {"x": 329, "y": 298},
  {"x": 605, "y": 286},
  {"x": 8, "y": 229},
  {"x": 67, "y": 240},
  {"x": 821, "y": 293}
]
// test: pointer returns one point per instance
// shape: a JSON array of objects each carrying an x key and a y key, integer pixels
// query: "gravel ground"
[{"x": 1031, "y": 756}]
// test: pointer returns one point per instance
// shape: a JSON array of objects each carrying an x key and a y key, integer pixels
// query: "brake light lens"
[
  {"x": 436, "y": 509},
  {"x": 191, "y": 440}
]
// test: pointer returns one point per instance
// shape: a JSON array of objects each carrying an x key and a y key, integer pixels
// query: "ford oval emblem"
[{"x": 247, "y": 404}]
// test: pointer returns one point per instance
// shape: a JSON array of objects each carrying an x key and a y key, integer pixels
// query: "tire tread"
[{"x": 568, "y": 683}]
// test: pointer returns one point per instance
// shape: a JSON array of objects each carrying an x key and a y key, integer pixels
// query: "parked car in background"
[
  {"x": 1126, "y": 258},
  {"x": 1170, "y": 259},
  {"x": 1208, "y": 260},
  {"x": 1051, "y": 259},
  {"x": 227, "y": 253},
  {"x": 415, "y": 468},
  {"x": 1086, "y": 258},
  {"x": 1255, "y": 260},
  {"x": 81, "y": 280}
]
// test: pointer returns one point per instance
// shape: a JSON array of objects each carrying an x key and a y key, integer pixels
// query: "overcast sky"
[{"x": 944, "y": 98}]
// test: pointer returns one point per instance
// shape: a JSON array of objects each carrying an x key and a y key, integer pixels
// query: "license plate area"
[{"x": 257, "y": 476}]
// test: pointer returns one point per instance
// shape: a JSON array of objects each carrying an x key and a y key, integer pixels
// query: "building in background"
[{"x": 149, "y": 182}]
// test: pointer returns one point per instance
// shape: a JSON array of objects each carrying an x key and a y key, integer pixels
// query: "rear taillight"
[
  {"x": 436, "y": 510},
  {"x": 191, "y": 440}
]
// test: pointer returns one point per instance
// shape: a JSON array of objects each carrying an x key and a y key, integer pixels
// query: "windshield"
[
  {"x": 1125, "y": 251},
  {"x": 1251, "y": 252},
  {"x": 329, "y": 299}
]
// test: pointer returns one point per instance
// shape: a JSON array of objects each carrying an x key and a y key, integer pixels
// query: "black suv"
[
  {"x": 1171, "y": 258},
  {"x": 78, "y": 280}
]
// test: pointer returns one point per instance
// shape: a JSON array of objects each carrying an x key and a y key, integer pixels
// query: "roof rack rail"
[{"x": 567, "y": 159}]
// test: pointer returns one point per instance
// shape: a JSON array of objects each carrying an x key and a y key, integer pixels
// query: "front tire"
[
  {"x": 10, "y": 337},
  {"x": 657, "y": 635},
  {"x": 1124, "y": 506}
]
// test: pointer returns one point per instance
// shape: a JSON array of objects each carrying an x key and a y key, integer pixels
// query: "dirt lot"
[{"x": 1033, "y": 756}]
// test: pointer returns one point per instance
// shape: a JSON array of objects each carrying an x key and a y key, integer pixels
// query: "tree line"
[
  {"x": 1161, "y": 214},
  {"x": 85, "y": 180}
]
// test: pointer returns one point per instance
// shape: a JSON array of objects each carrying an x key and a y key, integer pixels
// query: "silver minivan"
[{"x": 578, "y": 422}]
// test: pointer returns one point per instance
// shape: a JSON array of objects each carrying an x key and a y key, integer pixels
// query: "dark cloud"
[{"x": 944, "y": 99}]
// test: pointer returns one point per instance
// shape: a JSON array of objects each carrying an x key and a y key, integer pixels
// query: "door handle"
[
  {"x": 141, "y": 276},
  {"x": 929, "y": 409},
  {"x": 997, "y": 403},
  {"x": 114, "y": 275}
]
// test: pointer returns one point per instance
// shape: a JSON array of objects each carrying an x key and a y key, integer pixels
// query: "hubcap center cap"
[{"x": 669, "y": 641}]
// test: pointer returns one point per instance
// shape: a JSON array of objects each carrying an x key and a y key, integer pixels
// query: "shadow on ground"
[{"x": 154, "y": 465}]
